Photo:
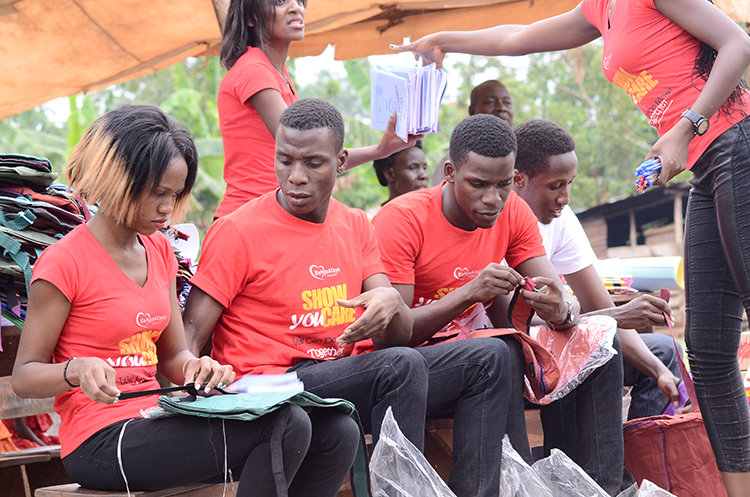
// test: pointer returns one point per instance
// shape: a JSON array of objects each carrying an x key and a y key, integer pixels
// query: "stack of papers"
[
  {"x": 287, "y": 382},
  {"x": 413, "y": 93}
]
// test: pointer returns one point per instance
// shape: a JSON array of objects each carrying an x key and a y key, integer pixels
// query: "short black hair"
[
  {"x": 538, "y": 140},
  {"x": 124, "y": 154},
  {"x": 381, "y": 164},
  {"x": 483, "y": 134},
  {"x": 314, "y": 113}
]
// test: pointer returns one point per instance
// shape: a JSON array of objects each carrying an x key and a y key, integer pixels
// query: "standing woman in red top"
[
  {"x": 681, "y": 61},
  {"x": 257, "y": 89},
  {"x": 103, "y": 313}
]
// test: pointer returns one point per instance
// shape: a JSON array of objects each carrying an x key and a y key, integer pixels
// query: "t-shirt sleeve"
[
  {"x": 400, "y": 241},
  {"x": 223, "y": 268},
  {"x": 58, "y": 266},
  {"x": 371, "y": 263},
  {"x": 525, "y": 240},
  {"x": 573, "y": 253},
  {"x": 253, "y": 77},
  {"x": 595, "y": 12}
]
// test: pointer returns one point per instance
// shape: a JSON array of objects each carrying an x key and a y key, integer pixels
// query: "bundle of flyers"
[{"x": 413, "y": 93}]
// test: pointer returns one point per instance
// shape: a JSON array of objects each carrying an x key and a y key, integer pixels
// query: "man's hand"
[
  {"x": 646, "y": 310},
  {"x": 548, "y": 301},
  {"x": 668, "y": 386},
  {"x": 381, "y": 305},
  {"x": 492, "y": 281}
]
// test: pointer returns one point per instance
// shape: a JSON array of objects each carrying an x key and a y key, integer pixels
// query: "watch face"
[{"x": 702, "y": 127}]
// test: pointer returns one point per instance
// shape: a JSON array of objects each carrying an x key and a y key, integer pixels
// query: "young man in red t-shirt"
[
  {"x": 442, "y": 249},
  {"x": 282, "y": 282}
]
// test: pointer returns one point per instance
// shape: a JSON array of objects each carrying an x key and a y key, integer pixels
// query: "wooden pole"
[
  {"x": 220, "y": 9},
  {"x": 678, "y": 235}
]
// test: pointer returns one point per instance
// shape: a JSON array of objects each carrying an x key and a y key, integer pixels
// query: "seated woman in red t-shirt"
[
  {"x": 257, "y": 89},
  {"x": 102, "y": 314}
]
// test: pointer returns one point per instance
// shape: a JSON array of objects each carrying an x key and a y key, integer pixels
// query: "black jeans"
[
  {"x": 717, "y": 276},
  {"x": 586, "y": 424},
  {"x": 318, "y": 450}
]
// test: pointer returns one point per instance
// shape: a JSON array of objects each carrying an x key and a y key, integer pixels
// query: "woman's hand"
[
  {"x": 96, "y": 378},
  {"x": 672, "y": 150},
  {"x": 390, "y": 142},
  {"x": 207, "y": 372},
  {"x": 425, "y": 48}
]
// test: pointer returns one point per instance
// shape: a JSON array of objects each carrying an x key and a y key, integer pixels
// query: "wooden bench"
[{"x": 197, "y": 490}]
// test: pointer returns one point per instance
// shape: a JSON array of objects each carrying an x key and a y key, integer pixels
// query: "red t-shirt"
[
  {"x": 249, "y": 148},
  {"x": 420, "y": 247},
  {"x": 110, "y": 317},
  {"x": 278, "y": 278},
  {"x": 651, "y": 58}
]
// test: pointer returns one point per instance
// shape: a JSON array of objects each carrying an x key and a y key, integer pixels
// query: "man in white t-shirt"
[{"x": 546, "y": 165}]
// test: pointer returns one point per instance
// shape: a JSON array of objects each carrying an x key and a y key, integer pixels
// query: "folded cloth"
[
  {"x": 26, "y": 176},
  {"x": 39, "y": 163}
]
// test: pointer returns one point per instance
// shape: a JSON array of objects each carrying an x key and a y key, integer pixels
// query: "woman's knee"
[{"x": 298, "y": 430}]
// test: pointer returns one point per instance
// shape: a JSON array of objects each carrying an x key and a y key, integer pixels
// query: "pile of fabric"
[{"x": 34, "y": 213}]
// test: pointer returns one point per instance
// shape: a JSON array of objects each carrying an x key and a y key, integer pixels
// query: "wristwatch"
[
  {"x": 568, "y": 319},
  {"x": 700, "y": 123}
]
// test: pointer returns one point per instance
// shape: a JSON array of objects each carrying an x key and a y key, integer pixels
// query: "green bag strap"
[
  {"x": 24, "y": 220},
  {"x": 13, "y": 249},
  {"x": 359, "y": 473}
]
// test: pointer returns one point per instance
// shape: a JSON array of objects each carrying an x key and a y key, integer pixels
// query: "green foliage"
[
  {"x": 82, "y": 115},
  {"x": 611, "y": 134},
  {"x": 31, "y": 133}
]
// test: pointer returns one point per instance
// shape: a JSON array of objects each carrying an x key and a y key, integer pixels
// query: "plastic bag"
[
  {"x": 518, "y": 479},
  {"x": 649, "y": 489},
  {"x": 398, "y": 468},
  {"x": 631, "y": 491},
  {"x": 565, "y": 478},
  {"x": 579, "y": 351}
]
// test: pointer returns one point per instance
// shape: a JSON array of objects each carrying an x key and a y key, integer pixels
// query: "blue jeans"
[
  {"x": 646, "y": 398},
  {"x": 717, "y": 276},
  {"x": 586, "y": 424},
  {"x": 469, "y": 382}
]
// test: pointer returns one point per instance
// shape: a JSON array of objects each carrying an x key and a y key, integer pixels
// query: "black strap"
[
  {"x": 359, "y": 473},
  {"x": 277, "y": 454}
]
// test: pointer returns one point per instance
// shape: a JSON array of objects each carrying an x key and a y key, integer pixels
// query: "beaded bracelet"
[{"x": 65, "y": 374}]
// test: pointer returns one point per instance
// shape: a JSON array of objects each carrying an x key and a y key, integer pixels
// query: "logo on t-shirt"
[
  {"x": 319, "y": 272},
  {"x": 138, "y": 350},
  {"x": 657, "y": 111},
  {"x": 635, "y": 85},
  {"x": 323, "y": 309},
  {"x": 146, "y": 320},
  {"x": 462, "y": 273}
]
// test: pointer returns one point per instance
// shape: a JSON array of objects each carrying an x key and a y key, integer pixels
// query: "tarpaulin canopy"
[{"x": 54, "y": 48}]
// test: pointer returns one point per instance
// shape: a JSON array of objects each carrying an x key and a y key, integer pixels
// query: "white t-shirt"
[{"x": 566, "y": 243}]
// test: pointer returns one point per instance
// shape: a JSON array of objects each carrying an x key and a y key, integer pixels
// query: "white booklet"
[
  {"x": 287, "y": 382},
  {"x": 414, "y": 93}
]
